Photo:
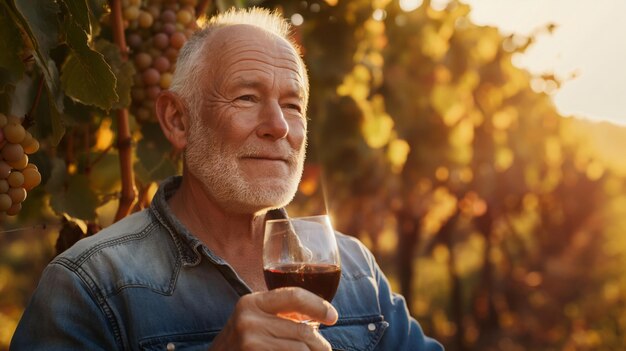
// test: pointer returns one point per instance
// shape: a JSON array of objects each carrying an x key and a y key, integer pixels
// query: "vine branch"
[
  {"x": 201, "y": 8},
  {"x": 128, "y": 196}
]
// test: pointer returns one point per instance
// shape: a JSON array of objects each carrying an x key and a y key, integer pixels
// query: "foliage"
[{"x": 500, "y": 220}]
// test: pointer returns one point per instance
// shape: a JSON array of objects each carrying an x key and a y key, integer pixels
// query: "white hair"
[{"x": 190, "y": 62}]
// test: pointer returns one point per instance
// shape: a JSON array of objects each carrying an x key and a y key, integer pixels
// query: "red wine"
[{"x": 320, "y": 279}]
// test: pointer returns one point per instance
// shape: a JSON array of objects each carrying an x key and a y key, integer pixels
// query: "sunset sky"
[{"x": 590, "y": 41}]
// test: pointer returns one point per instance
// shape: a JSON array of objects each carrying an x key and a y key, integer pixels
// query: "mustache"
[{"x": 281, "y": 151}]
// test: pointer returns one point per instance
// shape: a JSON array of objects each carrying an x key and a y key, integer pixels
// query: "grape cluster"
[
  {"x": 156, "y": 30},
  {"x": 17, "y": 176}
]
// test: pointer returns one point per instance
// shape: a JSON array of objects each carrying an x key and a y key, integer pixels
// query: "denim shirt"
[{"x": 147, "y": 283}]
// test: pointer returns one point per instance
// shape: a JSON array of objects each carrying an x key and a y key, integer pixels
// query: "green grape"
[
  {"x": 3, "y": 120},
  {"x": 184, "y": 17},
  {"x": 14, "y": 132},
  {"x": 161, "y": 29},
  {"x": 16, "y": 179},
  {"x": 131, "y": 13},
  {"x": 32, "y": 177},
  {"x": 5, "y": 170},
  {"x": 32, "y": 147},
  {"x": 12, "y": 152},
  {"x": 28, "y": 138},
  {"x": 4, "y": 186},
  {"x": 21, "y": 164},
  {"x": 154, "y": 10},
  {"x": 14, "y": 209},
  {"x": 143, "y": 60},
  {"x": 145, "y": 19},
  {"x": 17, "y": 195},
  {"x": 166, "y": 80},
  {"x": 5, "y": 202}
]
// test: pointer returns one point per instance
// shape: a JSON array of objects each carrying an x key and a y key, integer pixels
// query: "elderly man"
[{"x": 186, "y": 274}]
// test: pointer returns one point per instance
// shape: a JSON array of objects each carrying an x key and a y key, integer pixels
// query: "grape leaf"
[
  {"x": 77, "y": 200},
  {"x": 123, "y": 70},
  {"x": 80, "y": 13},
  {"x": 42, "y": 26},
  {"x": 23, "y": 96},
  {"x": 152, "y": 154},
  {"x": 58, "y": 128},
  {"x": 49, "y": 119},
  {"x": 97, "y": 8},
  {"x": 86, "y": 77},
  {"x": 11, "y": 46},
  {"x": 5, "y": 96},
  {"x": 105, "y": 174},
  {"x": 41, "y": 22}
]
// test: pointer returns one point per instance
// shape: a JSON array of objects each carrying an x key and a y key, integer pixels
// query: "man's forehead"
[
  {"x": 244, "y": 34},
  {"x": 228, "y": 47}
]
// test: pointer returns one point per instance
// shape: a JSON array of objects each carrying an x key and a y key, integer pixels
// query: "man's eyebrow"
[
  {"x": 242, "y": 82},
  {"x": 293, "y": 91}
]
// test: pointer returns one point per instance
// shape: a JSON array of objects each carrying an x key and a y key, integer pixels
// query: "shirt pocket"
[
  {"x": 190, "y": 341},
  {"x": 355, "y": 334}
]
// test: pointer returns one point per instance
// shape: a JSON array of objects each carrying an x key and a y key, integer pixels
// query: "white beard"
[{"x": 218, "y": 170}]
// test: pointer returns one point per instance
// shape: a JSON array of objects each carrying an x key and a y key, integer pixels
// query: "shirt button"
[
  {"x": 171, "y": 346},
  {"x": 371, "y": 327}
]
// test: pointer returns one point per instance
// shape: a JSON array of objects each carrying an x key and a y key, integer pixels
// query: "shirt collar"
[{"x": 188, "y": 245}]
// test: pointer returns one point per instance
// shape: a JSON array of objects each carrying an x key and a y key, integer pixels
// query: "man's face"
[{"x": 247, "y": 138}]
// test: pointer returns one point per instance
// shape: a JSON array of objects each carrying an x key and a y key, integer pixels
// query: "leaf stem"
[
  {"x": 100, "y": 156},
  {"x": 124, "y": 144}
]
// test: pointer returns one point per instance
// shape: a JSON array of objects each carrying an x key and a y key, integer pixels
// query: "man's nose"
[{"x": 273, "y": 123}]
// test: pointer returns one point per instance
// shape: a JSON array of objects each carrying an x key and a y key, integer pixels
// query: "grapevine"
[
  {"x": 17, "y": 175},
  {"x": 155, "y": 32}
]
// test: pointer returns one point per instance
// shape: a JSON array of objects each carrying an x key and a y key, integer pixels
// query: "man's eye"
[
  {"x": 294, "y": 107},
  {"x": 250, "y": 98}
]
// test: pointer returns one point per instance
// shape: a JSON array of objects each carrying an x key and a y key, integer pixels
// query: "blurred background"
[{"x": 477, "y": 147}]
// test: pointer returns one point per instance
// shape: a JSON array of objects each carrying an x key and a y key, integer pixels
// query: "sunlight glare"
[
  {"x": 439, "y": 5},
  {"x": 297, "y": 19},
  {"x": 410, "y": 5},
  {"x": 585, "y": 44},
  {"x": 379, "y": 14}
]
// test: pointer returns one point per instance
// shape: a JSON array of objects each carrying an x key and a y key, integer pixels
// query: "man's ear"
[{"x": 173, "y": 118}]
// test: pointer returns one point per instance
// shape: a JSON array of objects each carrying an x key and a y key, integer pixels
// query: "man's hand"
[{"x": 255, "y": 324}]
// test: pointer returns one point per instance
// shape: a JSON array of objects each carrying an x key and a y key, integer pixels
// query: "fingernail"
[{"x": 331, "y": 314}]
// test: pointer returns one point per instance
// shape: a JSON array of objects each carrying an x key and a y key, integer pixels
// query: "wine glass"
[{"x": 302, "y": 252}]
